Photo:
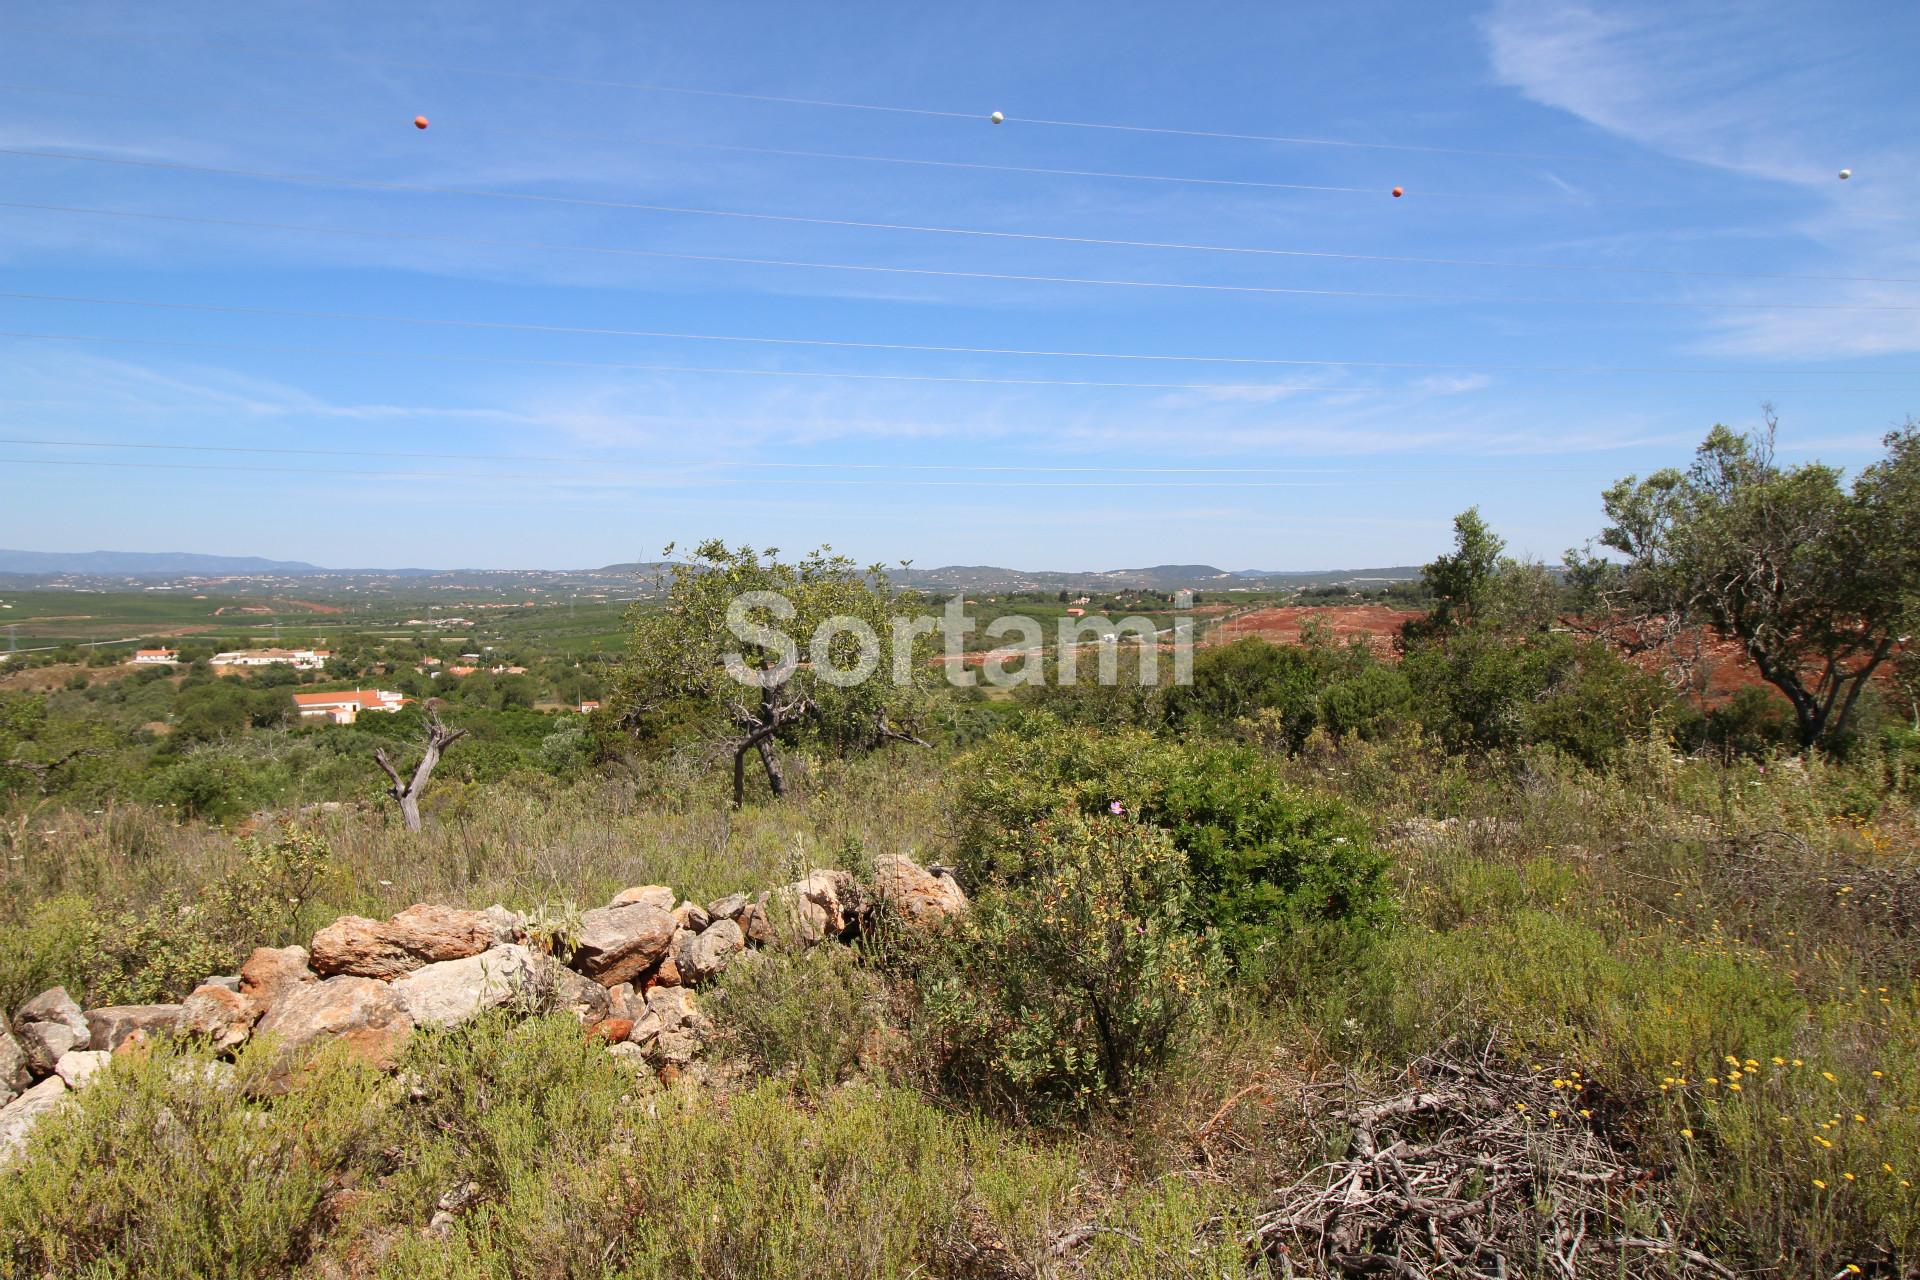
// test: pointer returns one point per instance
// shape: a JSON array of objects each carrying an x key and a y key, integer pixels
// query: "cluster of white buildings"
[
  {"x": 345, "y": 708},
  {"x": 298, "y": 659}
]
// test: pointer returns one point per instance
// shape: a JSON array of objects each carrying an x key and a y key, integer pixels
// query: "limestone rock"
[
  {"x": 452, "y": 991},
  {"x": 701, "y": 956},
  {"x": 561, "y": 988},
  {"x": 223, "y": 1016},
  {"x": 753, "y": 919},
  {"x": 624, "y": 1002},
  {"x": 80, "y": 1066},
  {"x": 618, "y": 944},
  {"x": 914, "y": 894},
  {"x": 668, "y": 974},
  {"x": 49, "y": 1025},
  {"x": 652, "y": 895},
  {"x": 508, "y": 926},
  {"x": 422, "y": 934},
  {"x": 813, "y": 909},
  {"x": 678, "y": 1009},
  {"x": 362, "y": 1012},
  {"x": 18, "y": 1117},
  {"x": 730, "y": 907},
  {"x": 272, "y": 971},
  {"x": 14, "y": 1072},
  {"x": 109, "y": 1027},
  {"x": 691, "y": 915},
  {"x": 230, "y": 981},
  {"x": 614, "y": 1030}
]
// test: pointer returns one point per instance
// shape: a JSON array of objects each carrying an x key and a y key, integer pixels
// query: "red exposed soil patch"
[{"x": 1376, "y": 624}]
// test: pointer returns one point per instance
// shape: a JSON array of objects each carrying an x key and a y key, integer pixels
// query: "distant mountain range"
[{"x": 30, "y": 568}]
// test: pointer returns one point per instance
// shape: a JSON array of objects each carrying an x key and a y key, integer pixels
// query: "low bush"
[
  {"x": 1073, "y": 986},
  {"x": 1263, "y": 858}
]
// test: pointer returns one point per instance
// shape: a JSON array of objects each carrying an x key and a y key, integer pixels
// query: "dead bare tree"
[{"x": 407, "y": 794}]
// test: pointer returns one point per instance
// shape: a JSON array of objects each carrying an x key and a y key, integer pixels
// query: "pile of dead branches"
[{"x": 1474, "y": 1170}]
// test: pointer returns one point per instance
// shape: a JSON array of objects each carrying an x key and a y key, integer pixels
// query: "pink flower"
[{"x": 1116, "y": 807}]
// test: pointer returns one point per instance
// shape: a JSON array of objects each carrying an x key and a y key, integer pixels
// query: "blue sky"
[{"x": 1613, "y": 142}]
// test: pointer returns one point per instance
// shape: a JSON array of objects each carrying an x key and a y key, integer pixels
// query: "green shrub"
[
  {"x": 1076, "y": 984},
  {"x": 1233, "y": 681},
  {"x": 1481, "y": 691},
  {"x": 1262, "y": 857},
  {"x": 811, "y": 1012},
  {"x": 162, "y": 1170}
]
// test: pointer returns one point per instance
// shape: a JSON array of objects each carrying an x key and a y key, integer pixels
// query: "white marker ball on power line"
[
  {"x": 1845, "y": 174},
  {"x": 997, "y": 118}
]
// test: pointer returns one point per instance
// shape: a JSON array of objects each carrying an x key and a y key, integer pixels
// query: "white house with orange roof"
[
  {"x": 345, "y": 708},
  {"x": 155, "y": 657}
]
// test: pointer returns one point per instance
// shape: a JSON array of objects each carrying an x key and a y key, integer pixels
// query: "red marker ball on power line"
[
  {"x": 1398, "y": 192},
  {"x": 419, "y": 122}
]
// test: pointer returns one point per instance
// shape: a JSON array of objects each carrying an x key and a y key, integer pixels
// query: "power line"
[
  {"x": 935, "y": 272},
  {"x": 597, "y": 331},
  {"x": 601, "y": 478},
  {"x": 636, "y": 366},
  {"x": 741, "y": 148},
  {"x": 758, "y": 464},
  {"x": 977, "y": 115},
  {"x": 981, "y": 232}
]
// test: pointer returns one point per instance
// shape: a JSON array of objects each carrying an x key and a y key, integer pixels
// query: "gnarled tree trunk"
[{"x": 407, "y": 794}]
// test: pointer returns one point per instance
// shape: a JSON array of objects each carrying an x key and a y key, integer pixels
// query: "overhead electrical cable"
[
  {"x": 757, "y": 464},
  {"x": 845, "y": 344},
  {"x": 945, "y": 273},
  {"x": 985, "y": 233},
  {"x": 837, "y": 104}
]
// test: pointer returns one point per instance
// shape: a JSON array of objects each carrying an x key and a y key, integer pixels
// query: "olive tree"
[
  {"x": 1816, "y": 579},
  {"x": 747, "y": 651}
]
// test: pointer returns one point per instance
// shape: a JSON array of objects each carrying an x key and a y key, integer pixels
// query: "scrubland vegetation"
[{"x": 1500, "y": 958}]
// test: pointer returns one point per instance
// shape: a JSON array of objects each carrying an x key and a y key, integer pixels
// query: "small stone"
[
  {"x": 109, "y": 1027},
  {"x": 272, "y": 971},
  {"x": 48, "y": 1026},
  {"x": 230, "y": 981},
  {"x": 623, "y": 1002},
  {"x": 753, "y": 919},
  {"x": 561, "y": 988},
  {"x": 80, "y": 1066},
  {"x": 691, "y": 915},
  {"x": 652, "y": 895},
  {"x": 727, "y": 908},
  {"x": 222, "y": 1016},
  {"x": 14, "y": 1073},
  {"x": 701, "y": 956},
  {"x": 614, "y": 1030}
]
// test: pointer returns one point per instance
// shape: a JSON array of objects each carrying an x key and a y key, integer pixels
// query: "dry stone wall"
[{"x": 629, "y": 977}]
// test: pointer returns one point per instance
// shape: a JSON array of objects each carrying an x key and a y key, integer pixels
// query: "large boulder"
[
  {"x": 651, "y": 895},
  {"x": 15, "y": 1075},
  {"x": 701, "y": 956},
  {"x": 272, "y": 971},
  {"x": 79, "y": 1067},
  {"x": 48, "y": 1026},
  {"x": 219, "y": 1014},
  {"x": 813, "y": 909},
  {"x": 618, "y": 944},
  {"x": 422, "y": 934},
  {"x": 362, "y": 1013},
  {"x": 109, "y": 1027},
  {"x": 18, "y": 1117},
  {"x": 914, "y": 894},
  {"x": 450, "y": 992}
]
